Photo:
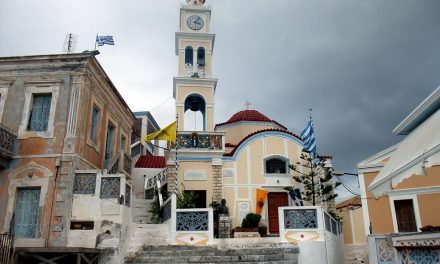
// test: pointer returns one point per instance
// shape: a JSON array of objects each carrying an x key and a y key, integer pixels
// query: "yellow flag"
[{"x": 168, "y": 133}]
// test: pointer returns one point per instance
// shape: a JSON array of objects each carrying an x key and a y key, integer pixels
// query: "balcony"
[
  {"x": 7, "y": 139},
  {"x": 200, "y": 140}
]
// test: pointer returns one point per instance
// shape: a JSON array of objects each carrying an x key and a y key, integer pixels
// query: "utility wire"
[{"x": 352, "y": 192}]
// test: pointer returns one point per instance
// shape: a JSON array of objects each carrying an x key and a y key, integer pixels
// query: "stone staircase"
[
  {"x": 140, "y": 211},
  {"x": 147, "y": 234},
  {"x": 280, "y": 253},
  {"x": 356, "y": 254}
]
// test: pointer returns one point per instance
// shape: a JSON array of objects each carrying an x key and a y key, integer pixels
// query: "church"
[{"x": 233, "y": 159}]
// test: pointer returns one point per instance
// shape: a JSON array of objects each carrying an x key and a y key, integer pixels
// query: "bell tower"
[{"x": 194, "y": 88}]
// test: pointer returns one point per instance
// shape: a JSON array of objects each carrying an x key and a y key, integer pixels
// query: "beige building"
[
  {"x": 65, "y": 178},
  {"x": 229, "y": 160},
  {"x": 400, "y": 186}
]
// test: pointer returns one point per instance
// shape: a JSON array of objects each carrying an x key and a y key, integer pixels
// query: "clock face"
[{"x": 195, "y": 22}]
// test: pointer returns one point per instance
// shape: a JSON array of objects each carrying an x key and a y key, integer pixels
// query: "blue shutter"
[
  {"x": 40, "y": 112},
  {"x": 26, "y": 213},
  {"x": 95, "y": 112}
]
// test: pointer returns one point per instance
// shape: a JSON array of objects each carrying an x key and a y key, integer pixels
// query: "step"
[{"x": 257, "y": 253}]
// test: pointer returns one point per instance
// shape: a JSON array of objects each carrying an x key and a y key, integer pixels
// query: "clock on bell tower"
[{"x": 194, "y": 88}]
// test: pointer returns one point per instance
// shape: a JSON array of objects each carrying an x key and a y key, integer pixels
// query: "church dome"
[{"x": 250, "y": 116}]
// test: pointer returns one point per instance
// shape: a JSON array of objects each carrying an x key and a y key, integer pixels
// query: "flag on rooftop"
[
  {"x": 308, "y": 137},
  {"x": 101, "y": 40}
]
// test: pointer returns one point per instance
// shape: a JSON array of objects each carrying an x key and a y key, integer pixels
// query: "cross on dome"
[
  {"x": 247, "y": 104},
  {"x": 195, "y": 2}
]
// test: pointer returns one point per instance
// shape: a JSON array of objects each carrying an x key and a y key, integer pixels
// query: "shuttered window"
[
  {"x": 94, "y": 124},
  {"x": 406, "y": 220},
  {"x": 40, "y": 111}
]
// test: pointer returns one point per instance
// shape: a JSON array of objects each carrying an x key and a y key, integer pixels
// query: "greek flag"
[
  {"x": 308, "y": 137},
  {"x": 101, "y": 40},
  {"x": 295, "y": 195}
]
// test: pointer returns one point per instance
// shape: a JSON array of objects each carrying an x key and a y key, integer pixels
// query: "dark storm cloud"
[{"x": 361, "y": 65}]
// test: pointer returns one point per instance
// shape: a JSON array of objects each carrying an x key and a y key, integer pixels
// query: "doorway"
[
  {"x": 199, "y": 197},
  {"x": 26, "y": 212},
  {"x": 275, "y": 200}
]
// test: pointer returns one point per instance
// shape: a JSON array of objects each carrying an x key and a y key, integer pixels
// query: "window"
[
  {"x": 40, "y": 103},
  {"x": 276, "y": 165},
  {"x": 201, "y": 56},
  {"x": 39, "y": 115},
  {"x": 406, "y": 221},
  {"x": 94, "y": 124},
  {"x": 189, "y": 55}
]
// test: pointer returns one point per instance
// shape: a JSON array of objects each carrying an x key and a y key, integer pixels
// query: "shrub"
[{"x": 251, "y": 220}]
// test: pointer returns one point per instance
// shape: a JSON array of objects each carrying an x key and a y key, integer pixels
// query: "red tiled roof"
[
  {"x": 258, "y": 132},
  {"x": 355, "y": 201},
  {"x": 249, "y": 115},
  {"x": 153, "y": 162}
]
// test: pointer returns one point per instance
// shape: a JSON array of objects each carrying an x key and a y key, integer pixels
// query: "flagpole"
[
  {"x": 95, "y": 40},
  {"x": 176, "y": 187}
]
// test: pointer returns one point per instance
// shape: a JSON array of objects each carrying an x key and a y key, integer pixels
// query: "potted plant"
[{"x": 249, "y": 226}]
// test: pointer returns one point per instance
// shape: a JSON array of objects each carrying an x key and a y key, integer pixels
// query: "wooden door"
[
  {"x": 275, "y": 200},
  {"x": 26, "y": 213}
]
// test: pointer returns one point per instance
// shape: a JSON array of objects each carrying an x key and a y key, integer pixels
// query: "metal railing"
[
  {"x": 121, "y": 163},
  {"x": 6, "y": 248},
  {"x": 7, "y": 139}
]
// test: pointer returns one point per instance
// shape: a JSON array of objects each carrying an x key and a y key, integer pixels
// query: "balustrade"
[
  {"x": 7, "y": 139},
  {"x": 200, "y": 140}
]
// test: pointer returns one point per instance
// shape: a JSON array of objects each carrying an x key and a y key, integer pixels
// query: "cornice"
[{"x": 424, "y": 110}]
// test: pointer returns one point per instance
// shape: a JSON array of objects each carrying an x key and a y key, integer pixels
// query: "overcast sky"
[{"x": 362, "y": 65}]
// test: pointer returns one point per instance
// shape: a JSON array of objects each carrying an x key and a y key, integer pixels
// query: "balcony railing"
[
  {"x": 7, "y": 139},
  {"x": 121, "y": 163},
  {"x": 200, "y": 140}
]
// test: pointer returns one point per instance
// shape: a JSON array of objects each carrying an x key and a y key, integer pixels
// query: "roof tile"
[{"x": 152, "y": 162}]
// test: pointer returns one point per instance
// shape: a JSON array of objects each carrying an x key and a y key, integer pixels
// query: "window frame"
[
  {"x": 412, "y": 197},
  {"x": 279, "y": 157},
  {"x": 32, "y": 89},
  {"x": 32, "y": 109},
  {"x": 94, "y": 124},
  {"x": 98, "y": 133}
]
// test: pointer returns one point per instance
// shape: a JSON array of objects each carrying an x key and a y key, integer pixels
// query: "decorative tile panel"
[
  {"x": 110, "y": 187},
  {"x": 300, "y": 219},
  {"x": 85, "y": 183},
  {"x": 192, "y": 221},
  {"x": 419, "y": 255},
  {"x": 199, "y": 140},
  {"x": 385, "y": 253}
]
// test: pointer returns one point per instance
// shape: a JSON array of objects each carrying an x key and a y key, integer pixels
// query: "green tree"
[{"x": 316, "y": 177}]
